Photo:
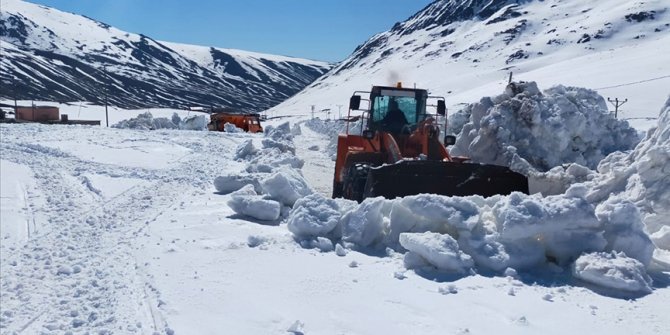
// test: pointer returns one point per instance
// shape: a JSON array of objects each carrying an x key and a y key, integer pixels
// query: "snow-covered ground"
[{"x": 110, "y": 230}]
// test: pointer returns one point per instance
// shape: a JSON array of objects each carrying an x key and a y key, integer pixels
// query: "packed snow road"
[{"x": 122, "y": 231}]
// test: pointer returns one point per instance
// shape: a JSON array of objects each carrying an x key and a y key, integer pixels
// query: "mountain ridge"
[
  {"x": 467, "y": 49},
  {"x": 53, "y": 55}
]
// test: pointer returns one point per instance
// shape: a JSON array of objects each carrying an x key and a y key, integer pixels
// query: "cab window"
[{"x": 406, "y": 102}]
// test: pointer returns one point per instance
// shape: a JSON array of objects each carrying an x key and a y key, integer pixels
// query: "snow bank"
[
  {"x": 561, "y": 125},
  {"x": 146, "y": 121},
  {"x": 613, "y": 270},
  {"x": 641, "y": 177},
  {"x": 599, "y": 223}
]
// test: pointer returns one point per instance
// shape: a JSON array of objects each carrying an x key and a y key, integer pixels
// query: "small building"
[{"x": 38, "y": 113}]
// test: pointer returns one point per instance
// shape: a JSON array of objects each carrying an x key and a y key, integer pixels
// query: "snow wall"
[{"x": 147, "y": 121}]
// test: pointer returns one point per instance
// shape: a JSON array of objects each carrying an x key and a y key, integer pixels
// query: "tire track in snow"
[{"x": 80, "y": 274}]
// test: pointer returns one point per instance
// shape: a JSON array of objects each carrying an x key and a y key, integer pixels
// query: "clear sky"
[{"x": 327, "y": 30}]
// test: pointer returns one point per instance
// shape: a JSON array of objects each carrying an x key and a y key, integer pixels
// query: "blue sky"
[{"x": 326, "y": 30}]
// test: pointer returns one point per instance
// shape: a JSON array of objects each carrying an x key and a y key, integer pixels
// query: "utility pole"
[
  {"x": 616, "y": 103},
  {"x": 104, "y": 71},
  {"x": 339, "y": 111},
  {"x": 16, "y": 105},
  {"x": 509, "y": 81}
]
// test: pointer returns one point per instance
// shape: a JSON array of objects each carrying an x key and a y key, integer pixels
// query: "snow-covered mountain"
[
  {"x": 48, "y": 54},
  {"x": 466, "y": 49}
]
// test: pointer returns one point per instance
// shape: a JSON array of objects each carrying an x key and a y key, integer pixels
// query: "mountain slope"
[
  {"x": 53, "y": 55},
  {"x": 466, "y": 49}
]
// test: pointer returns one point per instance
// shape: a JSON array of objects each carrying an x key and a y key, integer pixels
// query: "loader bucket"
[{"x": 445, "y": 178}]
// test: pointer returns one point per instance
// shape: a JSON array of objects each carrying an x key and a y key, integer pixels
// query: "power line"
[{"x": 634, "y": 83}]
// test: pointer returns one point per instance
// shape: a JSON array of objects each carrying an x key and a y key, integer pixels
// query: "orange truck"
[{"x": 249, "y": 122}]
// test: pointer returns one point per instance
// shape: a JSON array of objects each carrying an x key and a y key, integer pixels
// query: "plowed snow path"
[
  {"x": 77, "y": 270},
  {"x": 318, "y": 168}
]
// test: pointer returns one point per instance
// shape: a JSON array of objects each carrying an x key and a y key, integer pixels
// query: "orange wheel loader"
[{"x": 399, "y": 152}]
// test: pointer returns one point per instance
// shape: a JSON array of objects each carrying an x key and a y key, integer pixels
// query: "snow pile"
[
  {"x": 147, "y": 121},
  {"x": 561, "y": 125},
  {"x": 278, "y": 150},
  {"x": 272, "y": 181},
  {"x": 639, "y": 179},
  {"x": 613, "y": 270}
]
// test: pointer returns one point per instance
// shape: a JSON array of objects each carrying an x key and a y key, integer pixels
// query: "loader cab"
[{"x": 396, "y": 110}]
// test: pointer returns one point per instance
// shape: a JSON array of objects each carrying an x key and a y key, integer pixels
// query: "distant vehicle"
[
  {"x": 249, "y": 122},
  {"x": 399, "y": 153}
]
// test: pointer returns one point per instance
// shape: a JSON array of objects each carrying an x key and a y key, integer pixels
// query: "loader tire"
[{"x": 353, "y": 185}]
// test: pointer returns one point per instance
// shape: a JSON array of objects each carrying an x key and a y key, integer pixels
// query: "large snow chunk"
[
  {"x": 246, "y": 202},
  {"x": 283, "y": 146},
  {"x": 231, "y": 128},
  {"x": 613, "y": 270},
  {"x": 366, "y": 224},
  {"x": 661, "y": 238},
  {"x": 313, "y": 216},
  {"x": 268, "y": 160},
  {"x": 230, "y": 183},
  {"x": 522, "y": 216},
  {"x": 429, "y": 212},
  {"x": 286, "y": 185},
  {"x": 193, "y": 122},
  {"x": 245, "y": 149},
  {"x": 624, "y": 229},
  {"x": 560, "y": 226},
  {"x": 561, "y": 125},
  {"x": 280, "y": 133},
  {"x": 439, "y": 250}
]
